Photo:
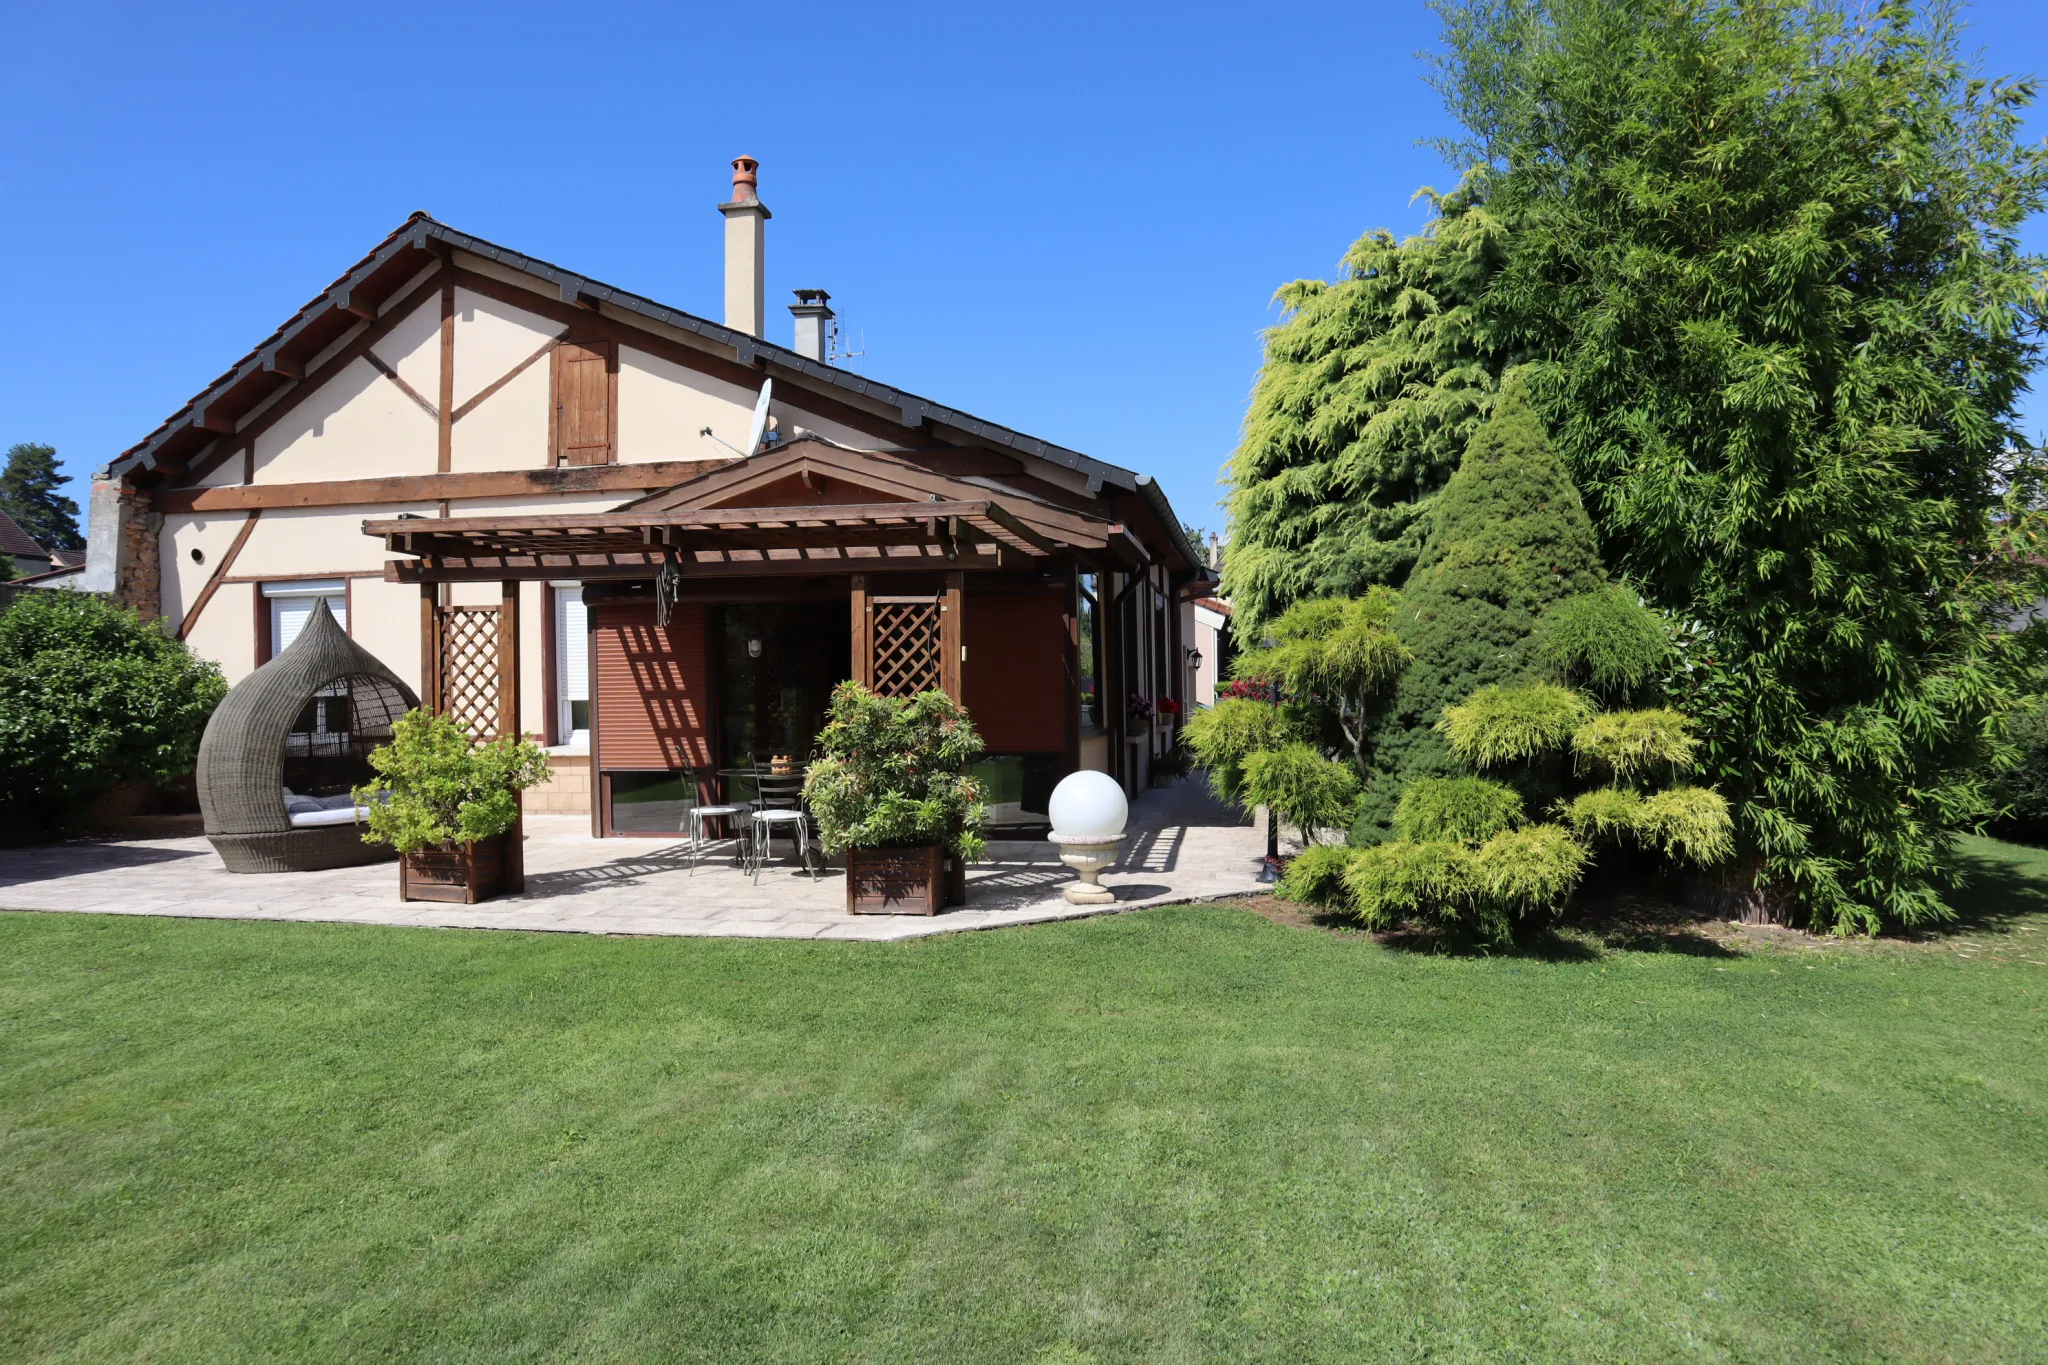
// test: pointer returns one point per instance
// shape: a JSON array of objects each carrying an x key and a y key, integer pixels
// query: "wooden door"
[{"x": 586, "y": 384}]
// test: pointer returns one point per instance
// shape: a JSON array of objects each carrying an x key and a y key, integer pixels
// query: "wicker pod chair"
[{"x": 307, "y": 721}]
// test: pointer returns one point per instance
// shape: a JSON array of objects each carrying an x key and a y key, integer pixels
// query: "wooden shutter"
[
  {"x": 653, "y": 688},
  {"x": 1015, "y": 673},
  {"x": 586, "y": 378}
]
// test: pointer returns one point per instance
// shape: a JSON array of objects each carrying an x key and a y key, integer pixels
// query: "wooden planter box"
[
  {"x": 895, "y": 881},
  {"x": 461, "y": 873}
]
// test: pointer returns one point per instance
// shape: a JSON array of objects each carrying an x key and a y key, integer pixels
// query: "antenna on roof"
[{"x": 833, "y": 355}]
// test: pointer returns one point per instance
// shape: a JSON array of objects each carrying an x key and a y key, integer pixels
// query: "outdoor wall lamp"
[
  {"x": 1195, "y": 659},
  {"x": 754, "y": 647}
]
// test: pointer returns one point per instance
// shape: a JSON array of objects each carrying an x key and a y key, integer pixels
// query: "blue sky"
[{"x": 1069, "y": 219}]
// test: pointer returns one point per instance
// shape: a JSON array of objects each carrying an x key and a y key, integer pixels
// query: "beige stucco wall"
[
  {"x": 663, "y": 408},
  {"x": 211, "y": 533},
  {"x": 413, "y": 348},
  {"x": 317, "y": 542},
  {"x": 355, "y": 426},
  {"x": 508, "y": 430},
  {"x": 384, "y": 618},
  {"x": 492, "y": 337}
]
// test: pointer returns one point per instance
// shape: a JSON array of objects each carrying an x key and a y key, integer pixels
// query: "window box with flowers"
[{"x": 1138, "y": 714}]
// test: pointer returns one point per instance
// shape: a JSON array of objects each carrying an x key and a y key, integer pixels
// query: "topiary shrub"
[
  {"x": 894, "y": 774},
  {"x": 91, "y": 697},
  {"x": 1606, "y": 640},
  {"x": 1508, "y": 537},
  {"x": 1226, "y": 734},
  {"x": 1526, "y": 872},
  {"x": 1315, "y": 876},
  {"x": 1313, "y": 793},
  {"x": 1465, "y": 810},
  {"x": 1633, "y": 744},
  {"x": 1392, "y": 882},
  {"x": 1502, "y": 725}
]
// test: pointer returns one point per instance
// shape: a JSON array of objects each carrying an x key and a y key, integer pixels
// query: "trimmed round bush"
[{"x": 1465, "y": 810}]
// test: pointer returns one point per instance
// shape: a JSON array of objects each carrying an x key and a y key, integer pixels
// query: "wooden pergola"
[
  {"x": 734, "y": 542},
  {"x": 903, "y": 642}
]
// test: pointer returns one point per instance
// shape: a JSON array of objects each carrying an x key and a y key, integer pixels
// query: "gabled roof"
[
  {"x": 15, "y": 541},
  {"x": 400, "y": 256}
]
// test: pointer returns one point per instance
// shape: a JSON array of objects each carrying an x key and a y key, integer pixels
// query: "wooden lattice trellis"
[
  {"x": 906, "y": 645},
  {"x": 469, "y": 668}
]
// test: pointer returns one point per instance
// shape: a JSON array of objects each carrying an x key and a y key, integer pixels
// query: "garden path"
[{"x": 1181, "y": 846}]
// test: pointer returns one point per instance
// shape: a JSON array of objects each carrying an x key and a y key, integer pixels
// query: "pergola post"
[
  {"x": 430, "y": 646},
  {"x": 863, "y": 644},
  {"x": 952, "y": 640}
]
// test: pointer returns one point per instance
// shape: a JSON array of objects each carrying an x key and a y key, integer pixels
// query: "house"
[
  {"x": 651, "y": 540},
  {"x": 30, "y": 559}
]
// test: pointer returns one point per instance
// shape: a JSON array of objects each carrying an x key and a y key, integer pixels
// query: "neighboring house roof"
[
  {"x": 67, "y": 559},
  {"x": 15, "y": 541}
]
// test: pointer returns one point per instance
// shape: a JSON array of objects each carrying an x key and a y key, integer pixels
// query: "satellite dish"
[{"x": 760, "y": 426}]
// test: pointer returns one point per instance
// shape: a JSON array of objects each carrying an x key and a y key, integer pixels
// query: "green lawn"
[{"x": 1182, "y": 1134}]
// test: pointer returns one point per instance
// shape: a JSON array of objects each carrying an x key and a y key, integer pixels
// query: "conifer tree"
[
  {"x": 1769, "y": 259},
  {"x": 28, "y": 493},
  {"x": 1507, "y": 537},
  {"x": 1371, "y": 387}
]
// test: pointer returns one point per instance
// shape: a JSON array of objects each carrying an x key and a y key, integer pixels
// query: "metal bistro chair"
[
  {"x": 696, "y": 813},
  {"x": 779, "y": 804}
]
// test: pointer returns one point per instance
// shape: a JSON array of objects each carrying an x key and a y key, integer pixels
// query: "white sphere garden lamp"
[{"x": 1088, "y": 812}]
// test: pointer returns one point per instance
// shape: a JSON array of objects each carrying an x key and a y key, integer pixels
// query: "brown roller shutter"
[
  {"x": 584, "y": 389},
  {"x": 1015, "y": 675},
  {"x": 652, "y": 694}
]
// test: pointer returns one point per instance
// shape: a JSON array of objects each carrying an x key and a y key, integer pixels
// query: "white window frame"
[
  {"x": 571, "y": 665},
  {"x": 335, "y": 590}
]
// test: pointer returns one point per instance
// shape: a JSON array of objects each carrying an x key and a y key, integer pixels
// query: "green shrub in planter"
[
  {"x": 894, "y": 774},
  {"x": 436, "y": 787}
]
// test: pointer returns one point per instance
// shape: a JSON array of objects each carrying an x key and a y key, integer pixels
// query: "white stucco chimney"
[
  {"x": 813, "y": 313},
  {"x": 745, "y": 268}
]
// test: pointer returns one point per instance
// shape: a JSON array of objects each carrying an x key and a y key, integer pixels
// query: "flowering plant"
[
  {"x": 1245, "y": 690},
  {"x": 1167, "y": 706},
  {"x": 1138, "y": 707}
]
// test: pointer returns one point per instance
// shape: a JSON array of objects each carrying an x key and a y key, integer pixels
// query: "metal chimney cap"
[{"x": 812, "y": 296}]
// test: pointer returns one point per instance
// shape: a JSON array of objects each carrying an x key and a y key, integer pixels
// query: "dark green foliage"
[
  {"x": 1309, "y": 791},
  {"x": 1768, "y": 256},
  {"x": 28, "y": 493},
  {"x": 1607, "y": 641},
  {"x": 1370, "y": 390},
  {"x": 1507, "y": 538},
  {"x": 1315, "y": 876},
  {"x": 2021, "y": 791},
  {"x": 89, "y": 698},
  {"x": 1465, "y": 810},
  {"x": 895, "y": 773}
]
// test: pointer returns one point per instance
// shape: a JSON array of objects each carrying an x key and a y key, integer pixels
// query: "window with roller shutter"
[{"x": 653, "y": 688}]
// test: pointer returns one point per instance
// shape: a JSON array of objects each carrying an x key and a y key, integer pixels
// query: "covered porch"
[{"x": 711, "y": 635}]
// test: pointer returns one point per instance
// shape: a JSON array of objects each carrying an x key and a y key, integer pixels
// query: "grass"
[{"x": 1179, "y": 1135}]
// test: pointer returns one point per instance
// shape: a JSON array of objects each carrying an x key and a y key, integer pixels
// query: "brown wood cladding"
[
  {"x": 653, "y": 687},
  {"x": 1015, "y": 672}
]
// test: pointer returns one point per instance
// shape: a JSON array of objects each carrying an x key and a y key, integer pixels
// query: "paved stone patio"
[{"x": 1182, "y": 846}]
